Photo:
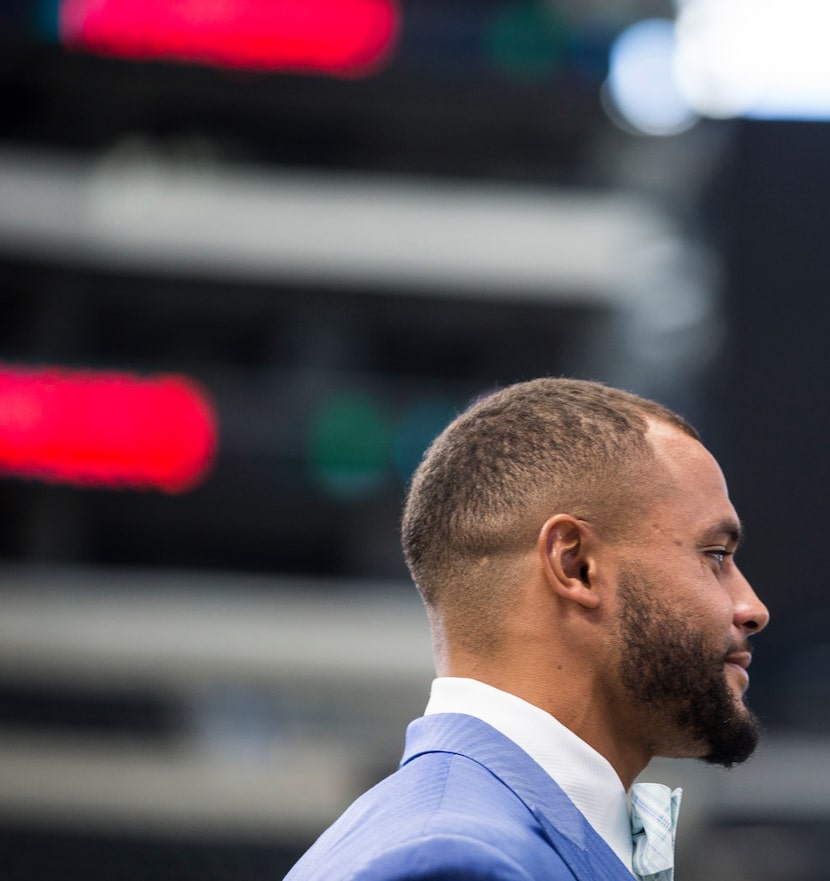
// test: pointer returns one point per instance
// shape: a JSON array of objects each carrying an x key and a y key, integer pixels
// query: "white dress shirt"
[{"x": 582, "y": 773}]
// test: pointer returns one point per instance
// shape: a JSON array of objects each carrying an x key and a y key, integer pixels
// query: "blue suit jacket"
[{"x": 466, "y": 803}]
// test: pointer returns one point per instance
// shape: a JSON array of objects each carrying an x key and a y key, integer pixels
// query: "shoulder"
[
  {"x": 436, "y": 857},
  {"x": 440, "y": 856},
  {"x": 442, "y": 816}
]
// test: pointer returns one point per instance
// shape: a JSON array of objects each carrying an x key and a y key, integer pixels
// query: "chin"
[{"x": 736, "y": 741}]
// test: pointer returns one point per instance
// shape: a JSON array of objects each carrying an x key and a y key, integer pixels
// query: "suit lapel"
[{"x": 566, "y": 828}]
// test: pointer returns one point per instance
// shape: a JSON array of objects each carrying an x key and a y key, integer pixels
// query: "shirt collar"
[{"x": 581, "y": 772}]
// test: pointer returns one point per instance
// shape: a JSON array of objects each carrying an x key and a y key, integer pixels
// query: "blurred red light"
[
  {"x": 105, "y": 429},
  {"x": 339, "y": 37}
]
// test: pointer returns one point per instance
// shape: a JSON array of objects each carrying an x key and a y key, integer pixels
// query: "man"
[{"x": 573, "y": 545}]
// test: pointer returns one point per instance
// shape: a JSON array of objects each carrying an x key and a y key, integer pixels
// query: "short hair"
[{"x": 491, "y": 479}]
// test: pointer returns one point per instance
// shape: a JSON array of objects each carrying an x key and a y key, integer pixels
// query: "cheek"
[
  {"x": 708, "y": 607},
  {"x": 697, "y": 597}
]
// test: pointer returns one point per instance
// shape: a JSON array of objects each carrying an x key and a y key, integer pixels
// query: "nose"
[{"x": 751, "y": 615}]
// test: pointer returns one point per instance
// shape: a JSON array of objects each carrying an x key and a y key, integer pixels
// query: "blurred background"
[{"x": 254, "y": 256}]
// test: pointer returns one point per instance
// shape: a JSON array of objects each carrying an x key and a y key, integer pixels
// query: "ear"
[{"x": 567, "y": 549}]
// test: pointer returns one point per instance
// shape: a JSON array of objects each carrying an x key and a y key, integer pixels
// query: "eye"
[{"x": 719, "y": 555}]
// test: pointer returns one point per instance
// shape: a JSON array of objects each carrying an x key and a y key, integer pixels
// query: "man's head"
[
  {"x": 609, "y": 508},
  {"x": 496, "y": 473}
]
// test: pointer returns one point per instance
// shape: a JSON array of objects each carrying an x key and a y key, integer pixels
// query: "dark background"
[{"x": 272, "y": 353}]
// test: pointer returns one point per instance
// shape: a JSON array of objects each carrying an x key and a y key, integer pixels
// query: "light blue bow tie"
[{"x": 654, "y": 809}]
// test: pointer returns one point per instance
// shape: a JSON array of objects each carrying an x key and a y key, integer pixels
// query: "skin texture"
[{"x": 637, "y": 644}]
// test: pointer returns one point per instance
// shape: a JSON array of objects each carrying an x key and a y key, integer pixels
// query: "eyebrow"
[{"x": 730, "y": 528}]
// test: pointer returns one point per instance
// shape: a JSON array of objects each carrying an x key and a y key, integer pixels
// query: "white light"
[
  {"x": 757, "y": 58},
  {"x": 641, "y": 82}
]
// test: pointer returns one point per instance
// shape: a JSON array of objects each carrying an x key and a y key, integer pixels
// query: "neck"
[{"x": 573, "y": 702}]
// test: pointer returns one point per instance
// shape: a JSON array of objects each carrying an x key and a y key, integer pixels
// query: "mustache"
[{"x": 740, "y": 647}]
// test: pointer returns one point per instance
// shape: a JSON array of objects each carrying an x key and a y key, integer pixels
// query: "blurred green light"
[
  {"x": 527, "y": 40},
  {"x": 349, "y": 444}
]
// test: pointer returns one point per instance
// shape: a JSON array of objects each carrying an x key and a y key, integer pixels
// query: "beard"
[{"x": 669, "y": 668}]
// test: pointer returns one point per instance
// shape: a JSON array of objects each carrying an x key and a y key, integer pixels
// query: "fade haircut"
[{"x": 497, "y": 472}]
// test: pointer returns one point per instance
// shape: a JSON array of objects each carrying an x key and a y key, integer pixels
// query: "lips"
[{"x": 741, "y": 661}]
